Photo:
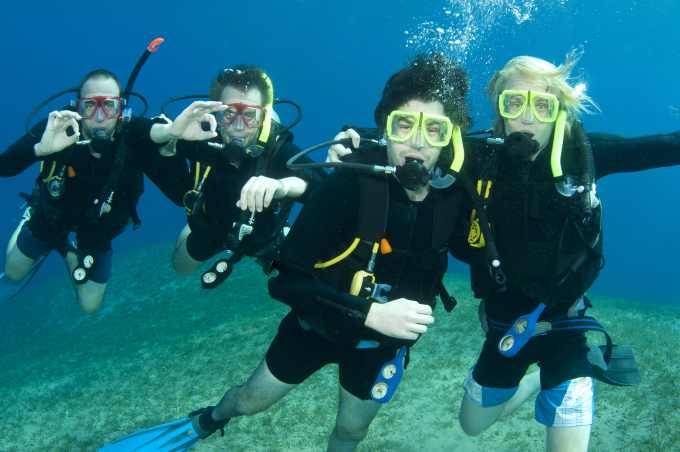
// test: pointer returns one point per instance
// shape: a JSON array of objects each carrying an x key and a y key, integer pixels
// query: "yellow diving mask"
[
  {"x": 402, "y": 126},
  {"x": 512, "y": 104}
]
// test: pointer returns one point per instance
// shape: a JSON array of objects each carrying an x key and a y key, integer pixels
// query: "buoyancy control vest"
[
  {"x": 551, "y": 245},
  {"x": 50, "y": 192},
  {"x": 352, "y": 266},
  {"x": 248, "y": 235}
]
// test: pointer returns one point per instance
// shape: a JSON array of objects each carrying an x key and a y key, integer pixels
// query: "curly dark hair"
[
  {"x": 243, "y": 77},
  {"x": 98, "y": 73},
  {"x": 429, "y": 77}
]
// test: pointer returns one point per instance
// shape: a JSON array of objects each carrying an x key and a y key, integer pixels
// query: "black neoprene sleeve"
[{"x": 615, "y": 154}]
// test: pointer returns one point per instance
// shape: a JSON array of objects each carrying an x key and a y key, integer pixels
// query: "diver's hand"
[
  {"x": 258, "y": 193},
  {"x": 401, "y": 318},
  {"x": 337, "y": 151},
  {"x": 56, "y": 136},
  {"x": 189, "y": 124},
  {"x": 481, "y": 313}
]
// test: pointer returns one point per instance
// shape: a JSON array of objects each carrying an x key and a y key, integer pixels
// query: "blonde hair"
[{"x": 573, "y": 99}]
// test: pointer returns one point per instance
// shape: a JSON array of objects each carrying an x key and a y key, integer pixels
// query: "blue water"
[{"x": 334, "y": 57}]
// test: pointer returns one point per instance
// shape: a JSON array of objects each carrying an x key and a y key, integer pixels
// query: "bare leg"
[
  {"x": 260, "y": 392},
  {"x": 528, "y": 387},
  {"x": 474, "y": 418},
  {"x": 182, "y": 262},
  {"x": 352, "y": 422},
  {"x": 17, "y": 264},
  {"x": 567, "y": 439}
]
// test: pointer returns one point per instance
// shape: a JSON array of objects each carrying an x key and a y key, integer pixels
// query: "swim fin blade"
[
  {"x": 173, "y": 436},
  {"x": 620, "y": 370}
]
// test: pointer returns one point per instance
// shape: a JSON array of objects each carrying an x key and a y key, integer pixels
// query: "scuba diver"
[
  {"x": 92, "y": 159},
  {"x": 362, "y": 264},
  {"x": 536, "y": 182},
  {"x": 237, "y": 193}
]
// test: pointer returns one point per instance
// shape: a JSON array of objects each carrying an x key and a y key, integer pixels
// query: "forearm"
[
  {"x": 292, "y": 187},
  {"x": 16, "y": 159},
  {"x": 161, "y": 133}
]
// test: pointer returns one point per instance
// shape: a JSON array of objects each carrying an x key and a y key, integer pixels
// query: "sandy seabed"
[{"x": 161, "y": 347}]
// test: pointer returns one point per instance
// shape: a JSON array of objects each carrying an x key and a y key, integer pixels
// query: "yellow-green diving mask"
[
  {"x": 402, "y": 126},
  {"x": 512, "y": 104}
]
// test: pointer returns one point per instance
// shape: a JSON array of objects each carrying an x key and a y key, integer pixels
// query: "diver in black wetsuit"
[
  {"x": 237, "y": 190},
  {"x": 539, "y": 192},
  {"x": 91, "y": 177}
]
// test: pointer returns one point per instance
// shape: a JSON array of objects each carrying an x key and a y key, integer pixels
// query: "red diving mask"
[
  {"x": 110, "y": 107},
  {"x": 241, "y": 115}
]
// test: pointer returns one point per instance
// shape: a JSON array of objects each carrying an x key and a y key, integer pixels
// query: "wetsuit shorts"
[
  {"x": 566, "y": 397},
  {"x": 202, "y": 245},
  {"x": 296, "y": 353},
  {"x": 34, "y": 248},
  {"x": 29, "y": 245}
]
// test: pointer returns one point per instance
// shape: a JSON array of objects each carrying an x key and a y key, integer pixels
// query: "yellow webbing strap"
[{"x": 52, "y": 168}]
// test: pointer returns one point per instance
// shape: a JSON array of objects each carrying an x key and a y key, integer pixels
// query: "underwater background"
[{"x": 161, "y": 346}]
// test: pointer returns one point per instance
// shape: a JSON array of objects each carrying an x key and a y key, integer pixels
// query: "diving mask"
[
  {"x": 402, "y": 126},
  {"x": 513, "y": 103},
  {"x": 108, "y": 107},
  {"x": 241, "y": 116}
]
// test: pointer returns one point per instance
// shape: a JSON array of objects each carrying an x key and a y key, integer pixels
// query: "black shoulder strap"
[
  {"x": 273, "y": 148},
  {"x": 446, "y": 210},
  {"x": 374, "y": 200},
  {"x": 120, "y": 156}
]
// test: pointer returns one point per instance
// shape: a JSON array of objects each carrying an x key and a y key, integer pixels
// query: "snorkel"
[
  {"x": 257, "y": 149},
  {"x": 102, "y": 134},
  {"x": 567, "y": 185}
]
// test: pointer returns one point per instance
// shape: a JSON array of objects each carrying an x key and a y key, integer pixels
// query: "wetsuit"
[
  {"x": 527, "y": 217},
  {"x": 76, "y": 179},
  {"x": 326, "y": 322},
  {"x": 212, "y": 223}
]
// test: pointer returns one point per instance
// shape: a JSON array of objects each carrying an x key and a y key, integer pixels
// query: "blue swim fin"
[{"x": 173, "y": 436}]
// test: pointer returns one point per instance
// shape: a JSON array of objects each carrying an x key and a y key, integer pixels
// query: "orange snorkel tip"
[{"x": 153, "y": 45}]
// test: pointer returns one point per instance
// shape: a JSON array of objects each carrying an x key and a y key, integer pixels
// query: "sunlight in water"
[{"x": 458, "y": 26}]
